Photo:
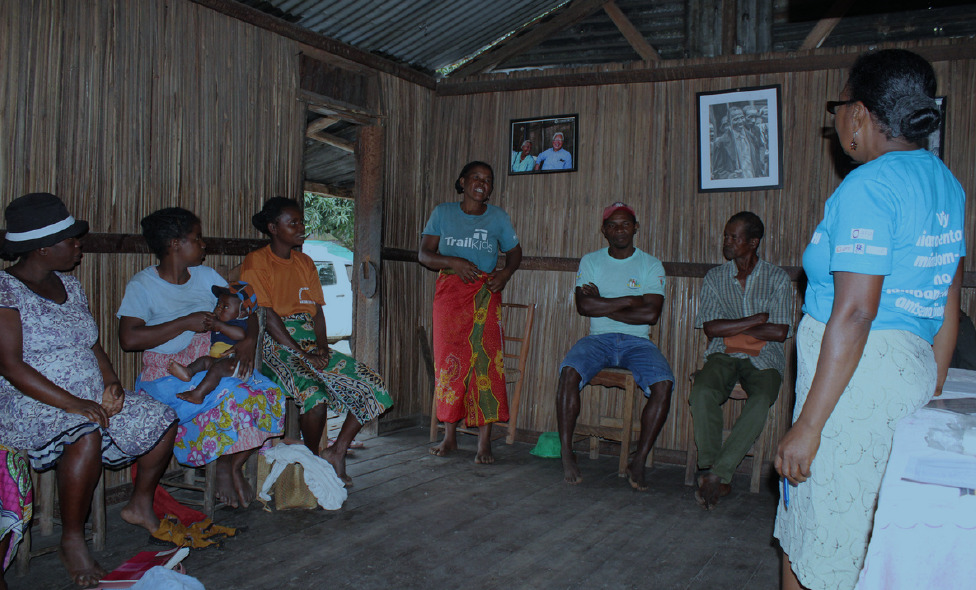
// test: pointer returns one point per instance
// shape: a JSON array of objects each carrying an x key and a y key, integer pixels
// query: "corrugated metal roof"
[{"x": 426, "y": 34}]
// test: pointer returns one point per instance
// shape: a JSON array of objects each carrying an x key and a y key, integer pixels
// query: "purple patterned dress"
[{"x": 57, "y": 341}]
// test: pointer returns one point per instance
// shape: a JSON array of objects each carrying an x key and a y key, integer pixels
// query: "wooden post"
[{"x": 368, "y": 251}]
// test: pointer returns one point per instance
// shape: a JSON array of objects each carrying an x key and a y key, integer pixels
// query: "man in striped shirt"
[{"x": 746, "y": 312}]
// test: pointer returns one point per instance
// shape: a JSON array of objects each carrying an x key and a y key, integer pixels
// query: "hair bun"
[{"x": 914, "y": 117}]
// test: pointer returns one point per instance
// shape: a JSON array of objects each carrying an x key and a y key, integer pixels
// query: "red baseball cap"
[{"x": 611, "y": 209}]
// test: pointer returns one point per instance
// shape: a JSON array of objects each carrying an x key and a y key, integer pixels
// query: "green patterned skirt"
[{"x": 346, "y": 385}]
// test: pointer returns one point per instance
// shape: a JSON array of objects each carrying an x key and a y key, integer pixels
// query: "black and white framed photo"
[
  {"x": 543, "y": 145},
  {"x": 739, "y": 140},
  {"x": 936, "y": 139}
]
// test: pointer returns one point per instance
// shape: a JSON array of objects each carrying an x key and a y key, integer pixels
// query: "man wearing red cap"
[{"x": 621, "y": 290}]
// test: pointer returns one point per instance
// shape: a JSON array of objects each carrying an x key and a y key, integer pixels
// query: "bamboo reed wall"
[
  {"x": 122, "y": 107},
  {"x": 637, "y": 144}
]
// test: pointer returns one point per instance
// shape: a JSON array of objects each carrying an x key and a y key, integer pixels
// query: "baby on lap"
[{"x": 235, "y": 303}]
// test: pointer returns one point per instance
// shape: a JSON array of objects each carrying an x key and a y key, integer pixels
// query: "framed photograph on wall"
[
  {"x": 739, "y": 140},
  {"x": 543, "y": 145},
  {"x": 936, "y": 139}
]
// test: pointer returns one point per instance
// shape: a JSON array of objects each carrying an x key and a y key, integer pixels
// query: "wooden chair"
[
  {"x": 610, "y": 427},
  {"x": 757, "y": 452},
  {"x": 515, "y": 350},
  {"x": 45, "y": 492}
]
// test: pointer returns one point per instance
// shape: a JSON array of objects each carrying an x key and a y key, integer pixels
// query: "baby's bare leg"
[
  {"x": 186, "y": 373},
  {"x": 218, "y": 369}
]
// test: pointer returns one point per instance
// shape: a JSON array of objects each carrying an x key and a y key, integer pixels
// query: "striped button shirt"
[{"x": 767, "y": 290}]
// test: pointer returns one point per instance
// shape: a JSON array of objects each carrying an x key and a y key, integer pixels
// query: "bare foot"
[
  {"x": 82, "y": 568},
  {"x": 710, "y": 489},
  {"x": 179, "y": 371},
  {"x": 571, "y": 471},
  {"x": 226, "y": 492},
  {"x": 443, "y": 449},
  {"x": 484, "y": 457},
  {"x": 635, "y": 475},
  {"x": 245, "y": 494},
  {"x": 338, "y": 463},
  {"x": 140, "y": 513},
  {"x": 194, "y": 396}
]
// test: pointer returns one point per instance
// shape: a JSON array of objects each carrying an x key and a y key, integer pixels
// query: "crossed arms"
[
  {"x": 756, "y": 325},
  {"x": 632, "y": 309}
]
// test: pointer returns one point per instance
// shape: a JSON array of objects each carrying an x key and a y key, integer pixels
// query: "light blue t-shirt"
[
  {"x": 553, "y": 160},
  {"x": 640, "y": 274},
  {"x": 901, "y": 216},
  {"x": 156, "y": 301},
  {"x": 476, "y": 238}
]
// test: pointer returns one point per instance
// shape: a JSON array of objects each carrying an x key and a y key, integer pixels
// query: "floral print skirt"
[{"x": 346, "y": 384}]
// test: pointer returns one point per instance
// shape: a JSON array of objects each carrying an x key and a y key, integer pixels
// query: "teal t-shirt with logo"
[
  {"x": 639, "y": 274},
  {"x": 900, "y": 216},
  {"x": 476, "y": 238}
]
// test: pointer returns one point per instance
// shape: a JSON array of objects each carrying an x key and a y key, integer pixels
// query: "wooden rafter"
[
  {"x": 531, "y": 35},
  {"x": 331, "y": 107},
  {"x": 333, "y": 140},
  {"x": 630, "y": 32},
  {"x": 826, "y": 25},
  {"x": 245, "y": 13},
  {"x": 321, "y": 124},
  {"x": 683, "y": 70},
  {"x": 327, "y": 190}
]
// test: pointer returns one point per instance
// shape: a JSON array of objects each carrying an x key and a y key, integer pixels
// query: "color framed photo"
[
  {"x": 739, "y": 140},
  {"x": 543, "y": 145}
]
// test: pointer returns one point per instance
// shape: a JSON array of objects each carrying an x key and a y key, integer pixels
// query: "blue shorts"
[{"x": 640, "y": 356}]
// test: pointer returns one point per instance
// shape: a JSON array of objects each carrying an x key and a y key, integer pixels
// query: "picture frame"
[
  {"x": 740, "y": 140},
  {"x": 533, "y": 145},
  {"x": 936, "y": 140}
]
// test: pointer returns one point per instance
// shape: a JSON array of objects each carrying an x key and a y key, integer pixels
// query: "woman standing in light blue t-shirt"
[
  {"x": 462, "y": 241},
  {"x": 880, "y": 316}
]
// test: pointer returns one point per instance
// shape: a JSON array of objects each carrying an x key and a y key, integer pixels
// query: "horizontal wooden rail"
[{"x": 105, "y": 243}]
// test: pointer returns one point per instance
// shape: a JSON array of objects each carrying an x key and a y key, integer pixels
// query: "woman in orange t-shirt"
[{"x": 296, "y": 346}]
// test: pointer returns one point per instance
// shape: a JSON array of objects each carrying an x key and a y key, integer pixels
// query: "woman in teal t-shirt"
[{"x": 462, "y": 241}]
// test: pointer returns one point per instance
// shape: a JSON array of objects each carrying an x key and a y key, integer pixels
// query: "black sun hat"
[{"x": 38, "y": 220}]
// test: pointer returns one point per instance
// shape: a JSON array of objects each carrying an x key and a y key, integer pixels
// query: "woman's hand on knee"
[
  {"x": 113, "y": 399},
  {"x": 90, "y": 410},
  {"x": 320, "y": 359}
]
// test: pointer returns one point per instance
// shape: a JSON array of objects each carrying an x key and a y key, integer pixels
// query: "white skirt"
[{"x": 826, "y": 528}]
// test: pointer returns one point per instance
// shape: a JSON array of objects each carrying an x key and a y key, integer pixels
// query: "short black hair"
[
  {"x": 161, "y": 227},
  {"x": 753, "y": 225},
  {"x": 898, "y": 88},
  {"x": 271, "y": 212},
  {"x": 467, "y": 168}
]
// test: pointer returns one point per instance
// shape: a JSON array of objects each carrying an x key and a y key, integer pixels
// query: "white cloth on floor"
[
  {"x": 320, "y": 476},
  {"x": 160, "y": 578}
]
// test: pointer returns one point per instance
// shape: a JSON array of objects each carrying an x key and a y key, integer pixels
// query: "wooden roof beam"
[
  {"x": 333, "y": 140},
  {"x": 321, "y": 124},
  {"x": 630, "y": 32},
  {"x": 531, "y": 35},
  {"x": 327, "y": 190},
  {"x": 343, "y": 51},
  {"x": 826, "y": 25},
  {"x": 747, "y": 65}
]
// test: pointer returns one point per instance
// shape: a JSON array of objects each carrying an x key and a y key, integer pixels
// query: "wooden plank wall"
[
  {"x": 122, "y": 107},
  {"x": 637, "y": 143}
]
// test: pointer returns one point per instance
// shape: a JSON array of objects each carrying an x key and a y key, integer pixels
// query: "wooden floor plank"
[{"x": 417, "y": 521}]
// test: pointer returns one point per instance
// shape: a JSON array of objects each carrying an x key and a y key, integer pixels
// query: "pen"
[{"x": 786, "y": 494}]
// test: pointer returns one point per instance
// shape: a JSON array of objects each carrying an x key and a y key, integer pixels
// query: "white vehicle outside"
[{"x": 334, "y": 265}]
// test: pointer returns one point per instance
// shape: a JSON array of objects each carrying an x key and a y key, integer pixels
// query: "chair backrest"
[{"x": 517, "y": 320}]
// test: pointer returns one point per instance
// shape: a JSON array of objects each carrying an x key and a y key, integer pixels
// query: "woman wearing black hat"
[{"x": 60, "y": 399}]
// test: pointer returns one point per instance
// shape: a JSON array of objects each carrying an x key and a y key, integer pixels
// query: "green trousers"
[{"x": 713, "y": 385}]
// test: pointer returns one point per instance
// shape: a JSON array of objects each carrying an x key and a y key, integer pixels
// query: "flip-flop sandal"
[{"x": 172, "y": 532}]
